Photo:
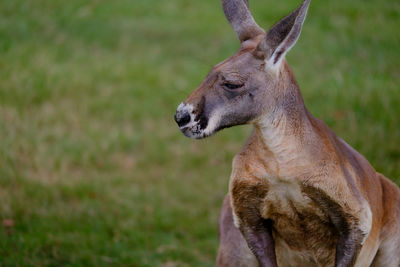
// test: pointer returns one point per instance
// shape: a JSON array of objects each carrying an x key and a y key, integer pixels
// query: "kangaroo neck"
[{"x": 287, "y": 131}]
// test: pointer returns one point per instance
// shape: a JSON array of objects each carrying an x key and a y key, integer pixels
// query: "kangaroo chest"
[
  {"x": 301, "y": 229},
  {"x": 302, "y": 232}
]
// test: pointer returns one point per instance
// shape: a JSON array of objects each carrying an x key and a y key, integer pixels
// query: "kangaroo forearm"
[
  {"x": 348, "y": 248},
  {"x": 261, "y": 243}
]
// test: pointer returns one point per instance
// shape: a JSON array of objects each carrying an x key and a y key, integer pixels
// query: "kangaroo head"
[{"x": 253, "y": 83}]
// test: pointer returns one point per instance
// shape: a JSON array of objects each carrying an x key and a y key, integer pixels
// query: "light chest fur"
[{"x": 302, "y": 231}]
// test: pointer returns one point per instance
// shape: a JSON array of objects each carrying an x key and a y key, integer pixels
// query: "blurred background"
[{"x": 94, "y": 171}]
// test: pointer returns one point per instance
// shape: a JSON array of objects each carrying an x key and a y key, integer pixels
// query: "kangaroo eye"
[{"x": 232, "y": 86}]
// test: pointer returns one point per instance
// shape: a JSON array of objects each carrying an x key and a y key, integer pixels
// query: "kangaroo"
[{"x": 298, "y": 194}]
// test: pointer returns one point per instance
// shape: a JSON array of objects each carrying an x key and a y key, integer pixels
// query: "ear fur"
[
  {"x": 282, "y": 36},
  {"x": 239, "y": 16}
]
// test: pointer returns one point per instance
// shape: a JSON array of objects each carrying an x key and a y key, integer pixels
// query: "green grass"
[{"x": 93, "y": 170}]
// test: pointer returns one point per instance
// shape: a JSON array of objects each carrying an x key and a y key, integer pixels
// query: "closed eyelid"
[{"x": 234, "y": 78}]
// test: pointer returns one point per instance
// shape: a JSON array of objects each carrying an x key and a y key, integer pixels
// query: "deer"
[{"x": 298, "y": 194}]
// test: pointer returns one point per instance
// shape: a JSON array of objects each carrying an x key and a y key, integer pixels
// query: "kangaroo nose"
[{"x": 182, "y": 117}]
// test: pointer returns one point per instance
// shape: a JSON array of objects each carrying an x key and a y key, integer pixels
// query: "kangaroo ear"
[
  {"x": 282, "y": 36},
  {"x": 239, "y": 16}
]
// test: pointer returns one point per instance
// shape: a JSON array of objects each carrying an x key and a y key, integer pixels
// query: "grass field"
[{"x": 94, "y": 171}]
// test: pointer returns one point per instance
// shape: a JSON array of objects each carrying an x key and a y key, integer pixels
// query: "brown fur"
[
  {"x": 299, "y": 195},
  {"x": 235, "y": 252},
  {"x": 308, "y": 229}
]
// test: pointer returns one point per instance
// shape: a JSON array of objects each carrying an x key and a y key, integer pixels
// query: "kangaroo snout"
[
  {"x": 182, "y": 117},
  {"x": 192, "y": 122}
]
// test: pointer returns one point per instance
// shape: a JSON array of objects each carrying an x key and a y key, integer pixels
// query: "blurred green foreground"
[{"x": 94, "y": 171}]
